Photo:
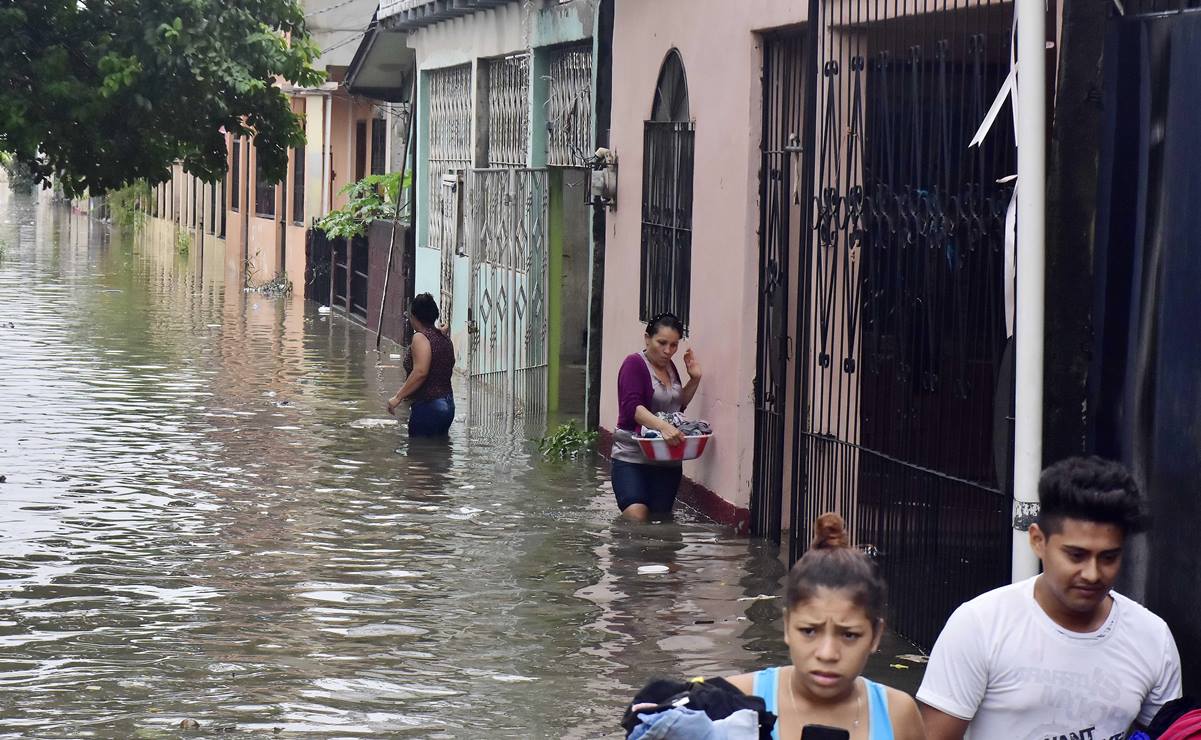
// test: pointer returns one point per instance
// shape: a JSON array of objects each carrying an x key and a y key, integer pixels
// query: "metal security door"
[
  {"x": 902, "y": 307},
  {"x": 507, "y": 315},
  {"x": 783, "y": 68}
]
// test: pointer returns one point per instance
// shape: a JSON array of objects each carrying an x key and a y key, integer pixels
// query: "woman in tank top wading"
[{"x": 430, "y": 364}]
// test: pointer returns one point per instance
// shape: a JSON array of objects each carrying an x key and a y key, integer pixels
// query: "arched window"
[{"x": 667, "y": 157}]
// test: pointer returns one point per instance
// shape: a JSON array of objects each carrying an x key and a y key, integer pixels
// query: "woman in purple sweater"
[{"x": 648, "y": 384}]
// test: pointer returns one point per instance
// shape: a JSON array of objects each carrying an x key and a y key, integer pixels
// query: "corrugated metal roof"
[{"x": 405, "y": 15}]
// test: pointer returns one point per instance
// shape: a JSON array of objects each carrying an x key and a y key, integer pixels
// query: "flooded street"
[{"x": 208, "y": 514}]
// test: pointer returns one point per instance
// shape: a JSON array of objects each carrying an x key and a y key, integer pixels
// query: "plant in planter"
[{"x": 371, "y": 199}]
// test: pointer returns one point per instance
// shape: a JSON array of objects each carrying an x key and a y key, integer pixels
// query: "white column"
[{"x": 1031, "y": 98}]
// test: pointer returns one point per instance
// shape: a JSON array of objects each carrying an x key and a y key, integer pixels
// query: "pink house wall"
[{"x": 722, "y": 57}]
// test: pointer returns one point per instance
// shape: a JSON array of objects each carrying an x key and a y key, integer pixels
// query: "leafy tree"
[{"x": 100, "y": 93}]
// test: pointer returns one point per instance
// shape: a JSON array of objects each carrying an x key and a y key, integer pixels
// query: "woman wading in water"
[
  {"x": 648, "y": 384},
  {"x": 430, "y": 364}
]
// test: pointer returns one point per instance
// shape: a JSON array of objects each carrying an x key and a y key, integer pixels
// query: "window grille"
[
  {"x": 298, "y": 185},
  {"x": 379, "y": 134},
  {"x": 509, "y": 111},
  {"x": 235, "y": 176},
  {"x": 264, "y": 191},
  {"x": 360, "y": 150},
  {"x": 569, "y": 118},
  {"x": 667, "y": 162}
]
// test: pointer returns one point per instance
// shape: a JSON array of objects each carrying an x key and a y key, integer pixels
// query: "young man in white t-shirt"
[{"x": 1059, "y": 656}]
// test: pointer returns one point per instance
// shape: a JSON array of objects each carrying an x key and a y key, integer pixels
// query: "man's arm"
[
  {"x": 942, "y": 726},
  {"x": 956, "y": 678}
]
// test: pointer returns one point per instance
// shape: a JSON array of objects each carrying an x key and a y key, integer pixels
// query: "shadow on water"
[{"x": 209, "y": 515}]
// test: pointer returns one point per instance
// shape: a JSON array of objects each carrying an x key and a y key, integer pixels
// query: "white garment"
[{"x": 1002, "y": 663}]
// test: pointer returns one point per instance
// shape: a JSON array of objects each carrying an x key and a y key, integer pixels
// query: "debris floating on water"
[
  {"x": 760, "y": 597},
  {"x": 372, "y": 423},
  {"x": 914, "y": 658},
  {"x": 646, "y": 570}
]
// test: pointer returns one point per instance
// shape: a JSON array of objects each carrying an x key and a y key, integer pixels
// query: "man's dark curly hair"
[{"x": 1090, "y": 489}]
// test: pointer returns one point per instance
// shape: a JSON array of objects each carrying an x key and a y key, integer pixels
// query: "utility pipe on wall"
[
  {"x": 327, "y": 158},
  {"x": 1031, "y": 100}
]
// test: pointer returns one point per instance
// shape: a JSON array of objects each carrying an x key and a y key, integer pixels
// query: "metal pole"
[
  {"x": 404, "y": 165},
  {"x": 1031, "y": 262}
]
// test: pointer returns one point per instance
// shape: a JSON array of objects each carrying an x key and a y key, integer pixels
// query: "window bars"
[
  {"x": 450, "y": 148},
  {"x": 666, "y": 259},
  {"x": 569, "y": 115},
  {"x": 509, "y": 111},
  {"x": 264, "y": 191},
  {"x": 379, "y": 137}
]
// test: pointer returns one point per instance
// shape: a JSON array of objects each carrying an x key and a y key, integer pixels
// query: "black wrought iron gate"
[
  {"x": 901, "y": 310},
  {"x": 779, "y": 211}
]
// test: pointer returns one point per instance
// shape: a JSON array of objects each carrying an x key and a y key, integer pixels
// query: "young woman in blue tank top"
[{"x": 834, "y": 618}]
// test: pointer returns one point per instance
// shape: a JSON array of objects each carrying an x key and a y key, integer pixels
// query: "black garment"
[
  {"x": 1169, "y": 713},
  {"x": 717, "y": 698},
  {"x": 1144, "y": 395}
]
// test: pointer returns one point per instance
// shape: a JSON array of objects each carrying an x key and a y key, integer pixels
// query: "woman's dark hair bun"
[
  {"x": 665, "y": 321},
  {"x": 829, "y": 531},
  {"x": 832, "y": 563}
]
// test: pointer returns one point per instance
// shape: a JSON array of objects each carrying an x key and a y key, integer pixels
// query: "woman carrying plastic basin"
[{"x": 649, "y": 384}]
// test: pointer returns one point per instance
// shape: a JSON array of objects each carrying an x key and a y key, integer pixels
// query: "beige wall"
[{"x": 722, "y": 59}]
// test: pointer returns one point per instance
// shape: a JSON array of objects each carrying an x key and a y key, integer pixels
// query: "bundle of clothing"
[
  {"x": 696, "y": 710},
  {"x": 688, "y": 427},
  {"x": 1176, "y": 720}
]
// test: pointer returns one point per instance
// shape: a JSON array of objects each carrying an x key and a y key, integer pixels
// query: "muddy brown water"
[{"x": 209, "y": 516}]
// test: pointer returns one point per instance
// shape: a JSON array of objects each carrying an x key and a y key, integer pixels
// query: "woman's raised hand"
[{"x": 691, "y": 365}]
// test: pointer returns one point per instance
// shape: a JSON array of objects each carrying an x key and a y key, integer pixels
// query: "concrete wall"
[{"x": 722, "y": 57}]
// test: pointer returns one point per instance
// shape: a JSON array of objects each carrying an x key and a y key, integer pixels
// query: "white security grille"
[
  {"x": 509, "y": 111},
  {"x": 450, "y": 115},
  {"x": 449, "y": 155},
  {"x": 569, "y": 115}
]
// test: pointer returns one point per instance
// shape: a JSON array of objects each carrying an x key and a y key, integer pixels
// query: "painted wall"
[
  {"x": 726, "y": 104},
  {"x": 315, "y": 156}
]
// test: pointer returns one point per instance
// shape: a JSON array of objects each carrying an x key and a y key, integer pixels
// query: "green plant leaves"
[
  {"x": 568, "y": 441},
  {"x": 371, "y": 199}
]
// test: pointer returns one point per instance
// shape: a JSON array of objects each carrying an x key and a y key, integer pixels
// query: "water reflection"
[{"x": 208, "y": 514}]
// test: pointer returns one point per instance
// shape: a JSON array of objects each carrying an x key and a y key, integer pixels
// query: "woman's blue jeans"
[
  {"x": 431, "y": 418},
  {"x": 655, "y": 486}
]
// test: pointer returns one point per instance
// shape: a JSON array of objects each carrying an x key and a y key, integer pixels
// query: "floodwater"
[{"x": 208, "y": 515}]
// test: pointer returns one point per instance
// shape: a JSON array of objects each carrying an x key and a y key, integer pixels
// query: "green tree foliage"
[{"x": 100, "y": 93}]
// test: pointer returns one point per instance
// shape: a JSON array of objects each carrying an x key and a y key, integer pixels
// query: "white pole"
[
  {"x": 1031, "y": 258},
  {"x": 327, "y": 160}
]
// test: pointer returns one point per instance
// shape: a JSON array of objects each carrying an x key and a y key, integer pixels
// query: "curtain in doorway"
[{"x": 1145, "y": 379}]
